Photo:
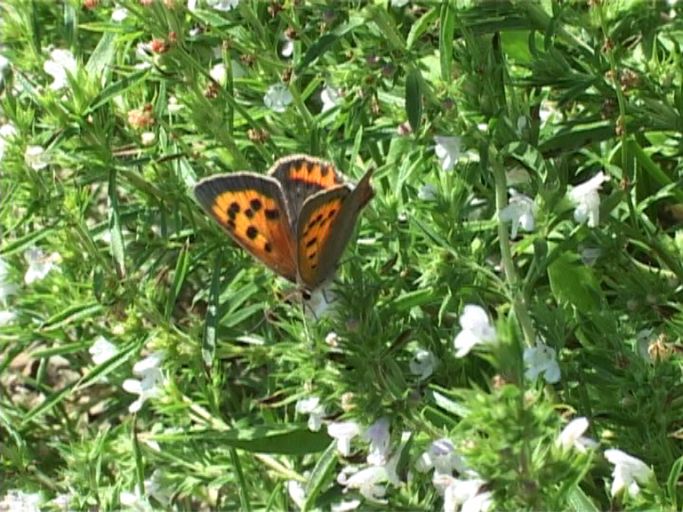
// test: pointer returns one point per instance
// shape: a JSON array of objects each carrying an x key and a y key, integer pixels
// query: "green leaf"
[
  {"x": 321, "y": 475},
  {"x": 285, "y": 440},
  {"x": 117, "y": 246},
  {"x": 447, "y": 19},
  {"x": 573, "y": 282},
  {"x": 414, "y": 98}
]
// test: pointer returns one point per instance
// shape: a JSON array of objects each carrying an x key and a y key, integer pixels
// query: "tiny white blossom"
[
  {"x": 427, "y": 192},
  {"x": 7, "y": 316},
  {"x": 330, "y": 97},
  {"x": 62, "y": 501},
  {"x": 519, "y": 211},
  {"x": 399, "y": 3},
  {"x": 5, "y": 66},
  {"x": 378, "y": 436},
  {"x": 39, "y": 264},
  {"x": 314, "y": 409},
  {"x": 60, "y": 63},
  {"x": 6, "y": 288},
  {"x": 587, "y": 200},
  {"x": 476, "y": 329},
  {"x": 7, "y": 132},
  {"x": 119, "y": 14},
  {"x": 367, "y": 481},
  {"x": 572, "y": 436},
  {"x": 134, "y": 502},
  {"x": 35, "y": 158},
  {"x": 422, "y": 364},
  {"x": 628, "y": 472},
  {"x": 547, "y": 112},
  {"x": 154, "y": 486},
  {"x": 442, "y": 457},
  {"x": 297, "y": 492},
  {"x": 343, "y": 432},
  {"x": 447, "y": 150},
  {"x": 463, "y": 495},
  {"x": 150, "y": 379},
  {"x": 277, "y": 98},
  {"x": 102, "y": 350},
  {"x": 219, "y": 73},
  {"x": 174, "y": 106},
  {"x": 287, "y": 48},
  {"x": 223, "y": 5},
  {"x": 321, "y": 302},
  {"x": 541, "y": 359},
  {"x": 20, "y": 501},
  {"x": 147, "y": 138},
  {"x": 332, "y": 339}
]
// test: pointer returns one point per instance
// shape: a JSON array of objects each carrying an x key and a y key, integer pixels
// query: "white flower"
[
  {"x": 330, "y": 97},
  {"x": 547, "y": 112},
  {"x": 223, "y": 5},
  {"x": 7, "y": 132},
  {"x": 587, "y": 201},
  {"x": 35, "y": 158},
  {"x": 6, "y": 288},
  {"x": 572, "y": 436},
  {"x": 102, "y": 350},
  {"x": 173, "y": 105},
  {"x": 147, "y": 138},
  {"x": 628, "y": 472},
  {"x": 321, "y": 302},
  {"x": 119, "y": 14},
  {"x": 367, "y": 481},
  {"x": 154, "y": 486},
  {"x": 60, "y": 63},
  {"x": 422, "y": 364},
  {"x": 343, "y": 432},
  {"x": 297, "y": 492},
  {"x": 332, "y": 339},
  {"x": 20, "y": 501},
  {"x": 134, "y": 502},
  {"x": 5, "y": 67},
  {"x": 287, "y": 48},
  {"x": 312, "y": 407},
  {"x": 519, "y": 211},
  {"x": 447, "y": 151},
  {"x": 541, "y": 359},
  {"x": 148, "y": 385},
  {"x": 219, "y": 73},
  {"x": 39, "y": 265},
  {"x": 463, "y": 495},
  {"x": 378, "y": 436},
  {"x": 7, "y": 316},
  {"x": 476, "y": 329},
  {"x": 399, "y": 3},
  {"x": 277, "y": 98},
  {"x": 441, "y": 456},
  {"x": 62, "y": 501},
  {"x": 427, "y": 192}
]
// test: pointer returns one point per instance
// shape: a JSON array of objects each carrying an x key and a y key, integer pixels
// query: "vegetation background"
[{"x": 148, "y": 363}]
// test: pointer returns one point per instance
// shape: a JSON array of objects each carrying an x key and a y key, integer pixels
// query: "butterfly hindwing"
[
  {"x": 253, "y": 210},
  {"x": 302, "y": 176},
  {"x": 324, "y": 227}
]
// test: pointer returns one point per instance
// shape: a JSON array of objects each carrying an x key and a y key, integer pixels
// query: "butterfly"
[{"x": 296, "y": 220}]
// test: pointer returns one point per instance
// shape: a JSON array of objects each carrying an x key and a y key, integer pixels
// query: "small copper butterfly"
[{"x": 296, "y": 220}]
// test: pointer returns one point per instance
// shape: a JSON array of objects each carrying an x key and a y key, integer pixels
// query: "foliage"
[{"x": 101, "y": 239}]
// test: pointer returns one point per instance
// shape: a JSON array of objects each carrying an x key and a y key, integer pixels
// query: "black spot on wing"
[{"x": 252, "y": 232}]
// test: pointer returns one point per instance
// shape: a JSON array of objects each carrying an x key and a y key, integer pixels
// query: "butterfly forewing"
[
  {"x": 324, "y": 228},
  {"x": 302, "y": 176},
  {"x": 253, "y": 211}
]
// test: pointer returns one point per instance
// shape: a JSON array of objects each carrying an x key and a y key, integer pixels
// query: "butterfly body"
[{"x": 296, "y": 220}]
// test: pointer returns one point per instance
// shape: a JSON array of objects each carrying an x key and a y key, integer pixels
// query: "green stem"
[{"x": 519, "y": 303}]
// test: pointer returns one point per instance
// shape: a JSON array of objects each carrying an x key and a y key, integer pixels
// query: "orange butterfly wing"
[
  {"x": 324, "y": 227},
  {"x": 253, "y": 210},
  {"x": 302, "y": 176}
]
